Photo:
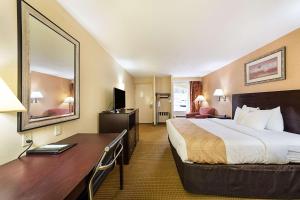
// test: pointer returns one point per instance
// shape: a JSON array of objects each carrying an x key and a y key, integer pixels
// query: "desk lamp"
[{"x": 10, "y": 103}]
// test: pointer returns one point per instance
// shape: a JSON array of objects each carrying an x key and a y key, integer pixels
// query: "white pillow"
[
  {"x": 257, "y": 119},
  {"x": 249, "y": 109},
  {"x": 242, "y": 115},
  {"x": 237, "y": 113},
  {"x": 240, "y": 112},
  {"x": 276, "y": 121}
]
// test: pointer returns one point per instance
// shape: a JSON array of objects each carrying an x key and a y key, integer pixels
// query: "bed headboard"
[{"x": 289, "y": 102}]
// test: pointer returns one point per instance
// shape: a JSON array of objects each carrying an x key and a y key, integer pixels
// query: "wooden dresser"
[{"x": 116, "y": 122}]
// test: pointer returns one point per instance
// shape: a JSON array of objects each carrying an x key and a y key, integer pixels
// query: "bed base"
[{"x": 245, "y": 180}]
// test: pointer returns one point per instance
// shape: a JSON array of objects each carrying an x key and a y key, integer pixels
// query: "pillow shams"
[
  {"x": 237, "y": 113},
  {"x": 249, "y": 109},
  {"x": 275, "y": 122},
  {"x": 256, "y": 120},
  {"x": 240, "y": 112}
]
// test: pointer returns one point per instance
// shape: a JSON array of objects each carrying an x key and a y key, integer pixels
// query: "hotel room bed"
[
  {"x": 242, "y": 145},
  {"x": 267, "y": 173}
]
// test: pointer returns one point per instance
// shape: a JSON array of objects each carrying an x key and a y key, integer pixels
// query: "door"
[{"x": 144, "y": 102}]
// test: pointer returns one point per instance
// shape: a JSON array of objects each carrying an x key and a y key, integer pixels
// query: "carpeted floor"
[{"x": 152, "y": 173}]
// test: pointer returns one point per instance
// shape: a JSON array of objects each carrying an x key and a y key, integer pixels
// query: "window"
[{"x": 181, "y": 97}]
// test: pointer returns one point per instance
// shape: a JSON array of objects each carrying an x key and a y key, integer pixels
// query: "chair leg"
[
  {"x": 91, "y": 192},
  {"x": 121, "y": 161}
]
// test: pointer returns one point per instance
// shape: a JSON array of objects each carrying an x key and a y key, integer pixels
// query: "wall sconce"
[
  {"x": 8, "y": 101},
  {"x": 35, "y": 96},
  {"x": 219, "y": 93}
]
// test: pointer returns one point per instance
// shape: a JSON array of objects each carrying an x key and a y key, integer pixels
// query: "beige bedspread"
[{"x": 202, "y": 146}]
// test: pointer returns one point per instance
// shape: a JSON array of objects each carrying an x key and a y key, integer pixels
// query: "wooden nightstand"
[{"x": 220, "y": 116}]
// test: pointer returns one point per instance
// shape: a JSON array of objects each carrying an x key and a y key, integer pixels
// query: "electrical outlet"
[
  {"x": 25, "y": 137},
  {"x": 57, "y": 130}
]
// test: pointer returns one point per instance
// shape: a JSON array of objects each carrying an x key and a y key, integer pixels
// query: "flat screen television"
[{"x": 119, "y": 99}]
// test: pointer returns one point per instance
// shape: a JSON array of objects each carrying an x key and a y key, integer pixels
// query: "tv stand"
[{"x": 116, "y": 122}]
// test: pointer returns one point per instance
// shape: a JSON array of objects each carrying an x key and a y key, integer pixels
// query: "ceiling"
[{"x": 183, "y": 37}]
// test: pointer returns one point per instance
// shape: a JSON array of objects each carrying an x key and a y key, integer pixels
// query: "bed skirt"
[{"x": 244, "y": 180}]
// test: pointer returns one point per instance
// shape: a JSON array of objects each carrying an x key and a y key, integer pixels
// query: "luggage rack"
[{"x": 163, "y": 101}]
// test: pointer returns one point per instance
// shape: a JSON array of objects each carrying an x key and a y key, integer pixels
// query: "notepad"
[{"x": 50, "y": 149}]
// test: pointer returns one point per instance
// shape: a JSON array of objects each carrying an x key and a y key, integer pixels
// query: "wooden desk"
[{"x": 54, "y": 176}]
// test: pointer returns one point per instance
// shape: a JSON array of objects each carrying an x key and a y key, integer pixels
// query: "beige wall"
[
  {"x": 163, "y": 84},
  {"x": 186, "y": 79},
  {"x": 54, "y": 90},
  {"x": 99, "y": 73},
  {"x": 231, "y": 77},
  {"x": 142, "y": 80}
]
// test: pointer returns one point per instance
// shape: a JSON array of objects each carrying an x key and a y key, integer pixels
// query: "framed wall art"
[{"x": 270, "y": 67}]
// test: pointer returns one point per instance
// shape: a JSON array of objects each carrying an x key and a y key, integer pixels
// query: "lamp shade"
[
  {"x": 8, "y": 101},
  {"x": 69, "y": 100},
  {"x": 36, "y": 95},
  {"x": 200, "y": 98},
  {"x": 219, "y": 93}
]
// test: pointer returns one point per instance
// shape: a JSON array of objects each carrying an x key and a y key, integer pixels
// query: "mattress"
[{"x": 243, "y": 144}]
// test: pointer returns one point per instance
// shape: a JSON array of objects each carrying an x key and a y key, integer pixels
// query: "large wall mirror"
[{"x": 48, "y": 71}]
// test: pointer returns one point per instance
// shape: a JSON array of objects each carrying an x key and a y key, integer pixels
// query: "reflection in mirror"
[
  {"x": 51, "y": 72},
  {"x": 48, "y": 70}
]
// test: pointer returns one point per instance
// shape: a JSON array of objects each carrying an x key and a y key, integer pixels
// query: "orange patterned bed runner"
[{"x": 202, "y": 146}]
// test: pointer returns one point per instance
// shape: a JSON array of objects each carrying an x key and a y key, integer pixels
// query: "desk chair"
[{"x": 108, "y": 160}]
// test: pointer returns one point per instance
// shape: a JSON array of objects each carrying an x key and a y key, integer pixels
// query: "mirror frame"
[{"x": 24, "y": 11}]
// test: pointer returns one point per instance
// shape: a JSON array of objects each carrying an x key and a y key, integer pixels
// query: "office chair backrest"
[{"x": 108, "y": 159}]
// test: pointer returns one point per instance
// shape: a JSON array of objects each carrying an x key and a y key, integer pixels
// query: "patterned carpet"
[{"x": 152, "y": 172}]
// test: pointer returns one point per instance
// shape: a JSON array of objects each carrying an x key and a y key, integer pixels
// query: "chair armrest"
[{"x": 191, "y": 115}]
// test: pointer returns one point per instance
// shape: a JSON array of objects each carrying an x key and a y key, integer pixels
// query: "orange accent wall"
[
  {"x": 230, "y": 78},
  {"x": 54, "y": 90}
]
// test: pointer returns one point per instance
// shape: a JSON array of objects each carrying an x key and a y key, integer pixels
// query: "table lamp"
[
  {"x": 200, "y": 98},
  {"x": 198, "y": 101},
  {"x": 8, "y": 101},
  {"x": 70, "y": 101}
]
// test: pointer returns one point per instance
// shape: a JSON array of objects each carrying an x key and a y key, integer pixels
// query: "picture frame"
[
  {"x": 40, "y": 112},
  {"x": 270, "y": 67}
]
